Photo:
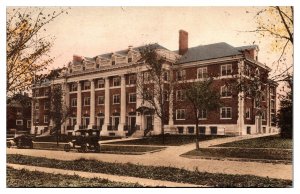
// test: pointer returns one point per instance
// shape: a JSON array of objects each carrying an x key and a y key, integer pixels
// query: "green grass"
[
  {"x": 274, "y": 141},
  {"x": 152, "y": 172},
  {"x": 25, "y": 178},
  {"x": 258, "y": 154},
  {"x": 128, "y": 149},
  {"x": 170, "y": 140}
]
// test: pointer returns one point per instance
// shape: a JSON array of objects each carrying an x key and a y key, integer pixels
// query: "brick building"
[{"x": 102, "y": 92}]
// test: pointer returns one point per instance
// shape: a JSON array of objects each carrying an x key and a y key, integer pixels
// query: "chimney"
[
  {"x": 183, "y": 42},
  {"x": 77, "y": 58}
]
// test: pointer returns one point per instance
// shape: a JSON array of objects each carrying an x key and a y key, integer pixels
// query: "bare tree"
[
  {"x": 27, "y": 47},
  {"x": 155, "y": 83}
]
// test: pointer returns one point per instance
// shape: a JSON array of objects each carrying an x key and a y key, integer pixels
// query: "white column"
[
  {"x": 78, "y": 119},
  {"x": 171, "y": 121},
  {"x": 138, "y": 100},
  {"x": 241, "y": 105},
  {"x": 32, "y": 114},
  {"x": 106, "y": 107},
  {"x": 92, "y": 105},
  {"x": 123, "y": 106}
]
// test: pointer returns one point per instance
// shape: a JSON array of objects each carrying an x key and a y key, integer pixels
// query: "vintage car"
[
  {"x": 85, "y": 140},
  {"x": 21, "y": 141}
]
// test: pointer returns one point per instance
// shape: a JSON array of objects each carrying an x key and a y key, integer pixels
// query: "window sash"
[
  {"x": 226, "y": 69},
  {"x": 132, "y": 79},
  {"x": 45, "y": 118},
  {"x": 74, "y": 102},
  {"x": 116, "y": 99},
  {"x": 19, "y": 122},
  {"x": 226, "y": 113},
  {"x": 87, "y": 101},
  {"x": 116, "y": 81},
  {"x": 100, "y": 84},
  {"x": 132, "y": 98},
  {"x": 87, "y": 86},
  {"x": 100, "y": 99},
  {"x": 202, "y": 114},
  {"x": 226, "y": 91},
  {"x": 180, "y": 114},
  {"x": 202, "y": 72},
  {"x": 74, "y": 87}
]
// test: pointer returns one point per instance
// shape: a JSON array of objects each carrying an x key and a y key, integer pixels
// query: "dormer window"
[{"x": 129, "y": 59}]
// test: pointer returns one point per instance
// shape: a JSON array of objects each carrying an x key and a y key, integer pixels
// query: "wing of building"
[{"x": 102, "y": 93}]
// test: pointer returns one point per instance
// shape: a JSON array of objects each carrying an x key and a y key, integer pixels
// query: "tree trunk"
[
  {"x": 197, "y": 134},
  {"x": 163, "y": 133}
]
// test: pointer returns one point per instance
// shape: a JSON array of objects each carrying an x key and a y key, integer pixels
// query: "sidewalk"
[
  {"x": 115, "y": 178},
  {"x": 171, "y": 157}
]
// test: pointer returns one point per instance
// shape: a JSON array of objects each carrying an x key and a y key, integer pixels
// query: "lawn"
[
  {"x": 153, "y": 172},
  {"x": 115, "y": 149},
  {"x": 257, "y": 154},
  {"x": 25, "y": 178},
  {"x": 274, "y": 141},
  {"x": 170, "y": 140}
]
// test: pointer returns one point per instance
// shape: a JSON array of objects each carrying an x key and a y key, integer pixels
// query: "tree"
[
  {"x": 59, "y": 112},
  {"x": 27, "y": 47},
  {"x": 153, "y": 85},
  {"x": 201, "y": 97}
]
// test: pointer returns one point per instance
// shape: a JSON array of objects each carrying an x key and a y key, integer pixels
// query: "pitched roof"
[{"x": 211, "y": 51}]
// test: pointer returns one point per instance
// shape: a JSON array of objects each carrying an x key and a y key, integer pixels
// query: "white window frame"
[
  {"x": 86, "y": 85},
  {"x": 85, "y": 100},
  {"x": 202, "y": 71},
  {"x": 46, "y": 119},
  {"x": 248, "y": 110},
  {"x": 21, "y": 122},
  {"x": 227, "y": 90},
  {"x": 180, "y": 75},
  {"x": 130, "y": 99},
  {"x": 180, "y": 111},
  {"x": 180, "y": 95},
  {"x": 226, "y": 68},
  {"x": 28, "y": 122},
  {"x": 132, "y": 79},
  {"x": 100, "y": 82},
  {"x": 226, "y": 109},
  {"x": 202, "y": 114},
  {"x": 74, "y": 87},
  {"x": 98, "y": 101},
  {"x": 116, "y": 80},
  {"x": 37, "y": 106},
  {"x": 73, "y": 102},
  {"x": 166, "y": 76},
  {"x": 115, "y": 98}
]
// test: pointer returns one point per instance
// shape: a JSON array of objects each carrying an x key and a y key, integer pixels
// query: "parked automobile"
[
  {"x": 22, "y": 141},
  {"x": 84, "y": 140}
]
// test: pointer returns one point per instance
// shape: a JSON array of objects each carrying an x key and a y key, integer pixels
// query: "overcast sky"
[{"x": 90, "y": 31}]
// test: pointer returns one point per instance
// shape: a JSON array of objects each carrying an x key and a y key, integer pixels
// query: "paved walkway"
[
  {"x": 116, "y": 178},
  {"x": 171, "y": 157}
]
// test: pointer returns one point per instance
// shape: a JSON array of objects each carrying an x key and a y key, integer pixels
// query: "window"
[
  {"x": 147, "y": 77},
  {"x": 191, "y": 129},
  {"x": 180, "y": 130},
  {"x": 73, "y": 87},
  {"x": 37, "y": 93},
  {"x": 113, "y": 62},
  {"x": 116, "y": 81},
  {"x": 202, "y": 130},
  {"x": 129, "y": 59},
  {"x": 248, "y": 115},
  {"x": 74, "y": 102},
  {"x": 147, "y": 94},
  {"x": 100, "y": 83},
  {"x": 45, "y": 118},
  {"x": 86, "y": 101},
  {"x": 46, "y": 106},
  {"x": 226, "y": 113},
  {"x": 116, "y": 99},
  {"x": 166, "y": 76},
  {"x": 226, "y": 69},
  {"x": 180, "y": 95},
  {"x": 202, "y": 114},
  {"x": 37, "y": 118},
  {"x": 226, "y": 91},
  {"x": 132, "y": 79},
  {"x": 180, "y": 75},
  {"x": 100, "y": 99},
  {"x": 87, "y": 85},
  {"x": 180, "y": 114},
  {"x": 263, "y": 115},
  {"x": 132, "y": 98},
  {"x": 28, "y": 123},
  {"x": 37, "y": 106},
  {"x": 202, "y": 72},
  {"x": 46, "y": 92},
  {"x": 263, "y": 96},
  {"x": 19, "y": 122},
  {"x": 247, "y": 70}
]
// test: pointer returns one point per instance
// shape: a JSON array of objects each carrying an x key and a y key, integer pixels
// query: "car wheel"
[{"x": 67, "y": 147}]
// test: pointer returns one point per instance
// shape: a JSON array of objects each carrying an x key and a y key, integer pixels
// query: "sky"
[{"x": 90, "y": 31}]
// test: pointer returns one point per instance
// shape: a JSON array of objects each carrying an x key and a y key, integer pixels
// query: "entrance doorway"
[
  {"x": 100, "y": 122},
  {"x": 149, "y": 121},
  {"x": 115, "y": 123},
  {"x": 86, "y": 122},
  {"x": 131, "y": 122}
]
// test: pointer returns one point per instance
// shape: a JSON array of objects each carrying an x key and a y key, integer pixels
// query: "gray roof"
[
  {"x": 242, "y": 48},
  {"x": 211, "y": 51},
  {"x": 125, "y": 51}
]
